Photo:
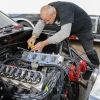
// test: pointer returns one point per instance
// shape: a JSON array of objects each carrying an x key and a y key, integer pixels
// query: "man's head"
[{"x": 48, "y": 14}]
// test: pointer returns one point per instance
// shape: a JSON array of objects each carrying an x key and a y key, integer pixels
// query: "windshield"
[{"x": 5, "y": 21}]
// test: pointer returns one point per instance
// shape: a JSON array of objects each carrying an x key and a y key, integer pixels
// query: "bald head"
[
  {"x": 48, "y": 13},
  {"x": 47, "y": 9}
]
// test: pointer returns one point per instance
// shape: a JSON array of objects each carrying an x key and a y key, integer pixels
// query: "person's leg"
[{"x": 86, "y": 40}]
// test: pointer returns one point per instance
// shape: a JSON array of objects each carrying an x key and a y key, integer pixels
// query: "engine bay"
[
  {"x": 23, "y": 71},
  {"x": 53, "y": 74},
  {"x": 30, "y": 73}
]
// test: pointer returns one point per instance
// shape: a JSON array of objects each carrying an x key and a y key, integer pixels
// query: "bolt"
[
  {"x": 1, "y": 88},
  {"x": 1, "y": 96}
]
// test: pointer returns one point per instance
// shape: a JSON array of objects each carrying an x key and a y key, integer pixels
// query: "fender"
[{"x": 19, "y": 20}]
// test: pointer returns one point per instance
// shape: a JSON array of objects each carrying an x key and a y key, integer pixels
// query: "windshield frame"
[{"x": 6, "y": 20}]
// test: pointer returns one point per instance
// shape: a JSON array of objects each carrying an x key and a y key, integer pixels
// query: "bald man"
[{"x": 73, "y": 21}]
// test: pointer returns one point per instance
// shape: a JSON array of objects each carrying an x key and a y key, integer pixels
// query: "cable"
[{"x": 43, "y": 94}]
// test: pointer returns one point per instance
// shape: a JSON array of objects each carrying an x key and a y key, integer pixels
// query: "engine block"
[
  {"x": 22, "y": 77},
  {"x": 30, "y": 79}
]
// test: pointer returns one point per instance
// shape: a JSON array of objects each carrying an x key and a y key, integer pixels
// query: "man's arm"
[
  {"x": 61, "y": 35},
  {"x": 36, "y": 32},
  {"x": 38, "y": 27},
  {"x": 58, "y": 37}
]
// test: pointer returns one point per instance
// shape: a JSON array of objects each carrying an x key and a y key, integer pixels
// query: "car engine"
[
  {"x": 34, "y": 75},
  {"x": 53, "y": 74},
  {"x": 20, "y": 75}
]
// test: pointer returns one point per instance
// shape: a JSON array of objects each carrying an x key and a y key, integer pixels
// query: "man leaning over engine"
[{"x": 73, "y": 21}]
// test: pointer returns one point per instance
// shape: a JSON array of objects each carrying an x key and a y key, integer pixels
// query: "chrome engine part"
[
  {"x": 19, "y": 80},
  {"x": 42, "y": 58},
  {"x": 22, "y": 77}
]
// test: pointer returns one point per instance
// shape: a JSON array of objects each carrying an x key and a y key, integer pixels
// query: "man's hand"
[
  {"x": 32, "y": 40},
  {"x": 40, "y": 45}
]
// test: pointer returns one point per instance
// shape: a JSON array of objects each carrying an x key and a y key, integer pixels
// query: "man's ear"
[{"x": 54, "y": 12}]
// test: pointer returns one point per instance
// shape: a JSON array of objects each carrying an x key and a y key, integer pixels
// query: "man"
[{"x": 73, "y": 21}]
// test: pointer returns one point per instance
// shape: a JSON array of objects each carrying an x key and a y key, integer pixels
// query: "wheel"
[{"x": 26, "y": 24}]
